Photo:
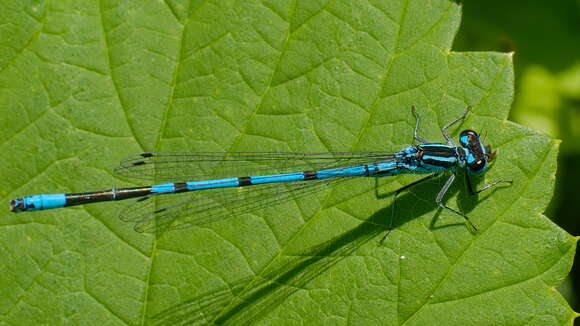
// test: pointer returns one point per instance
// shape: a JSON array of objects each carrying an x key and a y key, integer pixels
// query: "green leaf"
[{"x": 84, "y": 84}]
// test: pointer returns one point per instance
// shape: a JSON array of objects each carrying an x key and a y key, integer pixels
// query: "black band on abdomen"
[
  {"x": 310, "y": 175},
  {"x": 244, "y": 181}
]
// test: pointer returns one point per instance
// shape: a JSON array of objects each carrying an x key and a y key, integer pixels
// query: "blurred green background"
[{"x": 545, "y": 36}]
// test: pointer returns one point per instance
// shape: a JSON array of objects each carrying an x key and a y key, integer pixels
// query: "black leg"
[
  {"x": 468, "y": 182},
  {"x": 444, "y": 129},
  {"x": 439, "y": 201},
  {"x": 416, "y": 132},
  {"x": 396, "y": 193},
  {"x": 472, "y": 191}
]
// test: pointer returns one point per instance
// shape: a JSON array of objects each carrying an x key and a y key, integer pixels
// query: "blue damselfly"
[{"x": 206, "y": 186}]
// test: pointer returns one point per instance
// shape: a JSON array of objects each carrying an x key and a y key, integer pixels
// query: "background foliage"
[{"x": 84, "y": 84}]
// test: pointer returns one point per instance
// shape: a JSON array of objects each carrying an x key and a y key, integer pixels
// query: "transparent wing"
[
  {"x": 179, "y": 167},
  {"x": 170, "y": 211}
]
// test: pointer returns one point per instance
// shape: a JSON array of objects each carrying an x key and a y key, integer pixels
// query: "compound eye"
[
  {"x": 467, "y": 136},
  {"x": 477, "y": 166}
]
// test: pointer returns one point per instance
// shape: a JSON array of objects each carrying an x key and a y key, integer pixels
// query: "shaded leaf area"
[{"x": 92, "y": 82}]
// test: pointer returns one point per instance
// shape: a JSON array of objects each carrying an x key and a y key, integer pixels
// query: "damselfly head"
[{"x": 477, "y": 155}]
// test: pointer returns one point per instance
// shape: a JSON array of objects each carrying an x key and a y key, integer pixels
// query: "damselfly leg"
[
  {"x": 393, "y": 205},
  {"x": 439, "y": 201},
  {"x": 444, "y": 129},
  {"x": 416, "y": 131},
  {"x": 472, "y": 190}
]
